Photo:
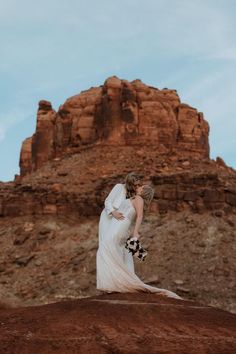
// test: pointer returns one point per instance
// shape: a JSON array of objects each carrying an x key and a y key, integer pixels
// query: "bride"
[{"x": 115, "y": 265}]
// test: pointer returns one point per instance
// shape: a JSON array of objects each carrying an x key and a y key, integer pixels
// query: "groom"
[{"x": 119, "y": 193}]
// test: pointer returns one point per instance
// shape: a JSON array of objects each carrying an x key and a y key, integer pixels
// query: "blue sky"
[{"x": 54, "y": 49}]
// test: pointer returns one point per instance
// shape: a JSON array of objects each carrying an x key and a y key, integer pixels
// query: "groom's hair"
[{"x": 130, "y": 183}]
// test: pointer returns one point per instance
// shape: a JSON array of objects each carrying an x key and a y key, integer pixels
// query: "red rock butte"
[{"x": 117, "y": 113}]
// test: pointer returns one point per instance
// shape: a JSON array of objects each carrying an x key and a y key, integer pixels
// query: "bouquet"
[{"x": 134, "y": 246}]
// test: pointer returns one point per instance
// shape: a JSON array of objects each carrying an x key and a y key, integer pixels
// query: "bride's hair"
[
  {"x": 147, "y": 195},
  {"x": 130, "y": 183}
]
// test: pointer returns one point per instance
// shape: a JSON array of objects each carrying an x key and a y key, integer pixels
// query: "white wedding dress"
[{"x": 115, "y": 265}]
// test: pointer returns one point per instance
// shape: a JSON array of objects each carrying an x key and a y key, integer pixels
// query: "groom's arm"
[{"x": 115, "y": 192}]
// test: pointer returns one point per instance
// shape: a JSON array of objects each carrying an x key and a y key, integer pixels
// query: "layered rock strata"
[{"x": 117, "y": 113}]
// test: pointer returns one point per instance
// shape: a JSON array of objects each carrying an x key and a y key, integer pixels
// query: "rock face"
[
  {"x": 117, "y": 113},
  {"x": 49, "y": 257},
  {"x": 40, "y": 147},
  {"x": 118, "y": 323},
  {"x": 78, "y": 184}
]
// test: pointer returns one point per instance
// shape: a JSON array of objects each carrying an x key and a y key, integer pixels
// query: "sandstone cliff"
[{"x": 118, "y": 113}]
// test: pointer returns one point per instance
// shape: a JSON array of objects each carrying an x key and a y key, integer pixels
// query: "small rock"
[
  {"x": 50, "y": 209},
  {"x": 44, "y": 230},
  {"x": 178, "y": 282},
  {"x": 218, "y": 213},
  {"x": 23, "y": 260},
  {"x": 186, "y": 163},
  {"x": 62, "y": 173},
  {"x": 28, "y": 226},
  {"x": 71, "y": 282},
  {"x": 56, "y": 187},
  {"x": 188, "y": 219},
  {"x": 38, "y": 262},
  {"x": 20, "y": 239},
  {"x": 42, "y": 236}
]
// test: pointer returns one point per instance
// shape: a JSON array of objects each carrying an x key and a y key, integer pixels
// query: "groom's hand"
[{"x": 117, "y": 215}]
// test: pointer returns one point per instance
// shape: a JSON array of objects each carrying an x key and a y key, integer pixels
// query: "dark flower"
[{"x": 134, "y": 246}]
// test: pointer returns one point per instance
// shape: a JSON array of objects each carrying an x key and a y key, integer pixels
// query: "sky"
[{"x": 53, "y": 49}]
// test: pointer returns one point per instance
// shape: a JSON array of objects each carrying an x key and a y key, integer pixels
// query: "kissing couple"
[{"x": 122, "y": 216}]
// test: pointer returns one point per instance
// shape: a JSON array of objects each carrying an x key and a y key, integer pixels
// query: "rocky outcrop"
[
  {"x": 78, "y": 184},
  {"x": 120, "y": 113},
  {"x": 26, "y": 156},
  {"x": 118, "y": 323}
]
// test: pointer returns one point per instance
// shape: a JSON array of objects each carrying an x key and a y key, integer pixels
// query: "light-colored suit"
[
  {"x": 112, "y": 202},
  {"x": 115, "y": 198}
]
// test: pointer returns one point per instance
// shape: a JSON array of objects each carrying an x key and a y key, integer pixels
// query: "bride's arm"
[
  {"x": 116, "y": 190},
  {"x": 138, "y": 204}
]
